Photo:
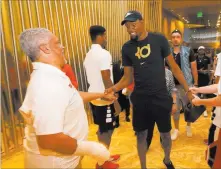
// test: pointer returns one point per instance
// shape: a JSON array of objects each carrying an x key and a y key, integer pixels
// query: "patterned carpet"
[{"x": 186, "y": 152}]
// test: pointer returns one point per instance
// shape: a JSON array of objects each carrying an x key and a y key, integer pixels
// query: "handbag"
[{"x": 192, "y": 113}]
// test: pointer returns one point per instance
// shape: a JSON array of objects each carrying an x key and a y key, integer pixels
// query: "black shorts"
[
  {"x": 101, "y": 117},
  {"x": 150, "y": 109}
]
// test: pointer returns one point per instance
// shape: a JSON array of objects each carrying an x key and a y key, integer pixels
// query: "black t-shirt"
[
  {"x": 192, "y": 57},
  {"x": 177, "y": 58},
  {"x": 147, "y": 59},
  {"x": 203, "y": 62}
]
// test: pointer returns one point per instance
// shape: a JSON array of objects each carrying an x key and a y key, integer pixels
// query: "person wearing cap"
[
  {"x": 186, "y": 60},
  {"x": 203, "y": 67},
  {"x": 98, "y": 67},
  {"x": 56, "y": 122},
  {"x": 144, "y": 55}
]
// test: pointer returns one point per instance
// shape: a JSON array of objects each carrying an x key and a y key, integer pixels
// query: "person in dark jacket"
[{"x": 123, "y": 100}]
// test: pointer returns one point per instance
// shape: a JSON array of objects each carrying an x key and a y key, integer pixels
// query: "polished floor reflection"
[{"x": 186, "y": 152}]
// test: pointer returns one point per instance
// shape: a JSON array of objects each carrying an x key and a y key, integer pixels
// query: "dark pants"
[
  {"x": 150, "y": 135},
  {"x": 125, "y": 105},
  {"x": 105, "y": 129},
  {"x": 127, "y": 111},
  {"x": 212, "y": 150}
]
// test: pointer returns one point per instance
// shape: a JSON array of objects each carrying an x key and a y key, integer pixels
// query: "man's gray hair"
[{"x": 31, "y": 39}]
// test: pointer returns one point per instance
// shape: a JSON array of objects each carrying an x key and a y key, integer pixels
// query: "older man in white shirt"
[{"x": 57, "y": 126}]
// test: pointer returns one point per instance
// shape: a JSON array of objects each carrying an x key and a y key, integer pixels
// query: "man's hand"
[
  {"x": 109, "y": 90},
  {"x": 125, "y": 92},
  {"x": 196, "y": 100},
  {"x": 174, "y": 109},
  {"x": 109, "y": 96},
  {"x": 190, "y": 96},
  {"x": 194, "y": 90}
]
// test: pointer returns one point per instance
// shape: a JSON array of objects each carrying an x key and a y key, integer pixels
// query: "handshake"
[{"x": 110, "y": 95}]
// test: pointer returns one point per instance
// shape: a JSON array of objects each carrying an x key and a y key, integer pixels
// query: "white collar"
[
  {"x": 96, "y": 46},
  {"x": 47, "y": 67}
]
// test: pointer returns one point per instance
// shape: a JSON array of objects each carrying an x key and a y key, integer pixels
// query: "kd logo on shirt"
[{"x": 141, "y": 53}]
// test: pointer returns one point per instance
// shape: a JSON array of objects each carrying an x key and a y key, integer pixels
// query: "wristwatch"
[{"x": 174, "y": 103}]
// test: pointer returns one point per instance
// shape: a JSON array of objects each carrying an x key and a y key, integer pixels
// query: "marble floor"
[{"x": 186, "y": 152}]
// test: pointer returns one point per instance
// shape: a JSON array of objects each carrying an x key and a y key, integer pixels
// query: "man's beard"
[
  {"x": 134, "y": 37},
  {"x": 176, "y": 45}
]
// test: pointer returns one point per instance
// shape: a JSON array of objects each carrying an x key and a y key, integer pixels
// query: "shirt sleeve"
[
  {"x": 219, "y": 87},
  {"x": 192, "y": 56},
  {"x": 218, "y": 67},
  {"x": 49, "y": 107},
  {"x": 106, "y": 61},
  {"x": 171, "y": 84},
  {"x": 209, "y": 60},
  {"x": 26, "y": 105},
  {"x": 165, "y": 47},
  {"x": 126, "y": 61}
]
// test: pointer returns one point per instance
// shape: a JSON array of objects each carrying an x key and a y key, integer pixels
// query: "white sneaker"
[
  {"x": 188, "y": 131},
  {"x": 205, "y": 114},
  {"x": 175, "y": 134}
]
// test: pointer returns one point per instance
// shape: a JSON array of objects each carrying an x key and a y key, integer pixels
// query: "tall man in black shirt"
[{"x": 145, "y": 54}]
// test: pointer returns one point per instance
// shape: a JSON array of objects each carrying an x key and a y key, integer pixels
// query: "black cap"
[
  {"x": 177, "y": 31},
  {"x": 132, "y": 16}
]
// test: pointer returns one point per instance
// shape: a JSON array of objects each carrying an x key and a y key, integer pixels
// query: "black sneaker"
[
  {"x": 127, "y": 119},
  {"x": 117, "y": 125},
  {"x": 169, "y": 165}
]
